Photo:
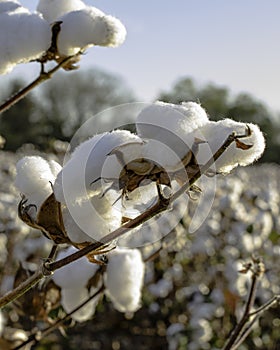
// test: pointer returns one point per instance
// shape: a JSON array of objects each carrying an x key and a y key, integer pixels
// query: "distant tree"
[
  {"x": 69, "y": 100},
  {"x": 220, "y": 104},
  {"x": 17, "y": 124},
  {"x": 60, "y": 107}
]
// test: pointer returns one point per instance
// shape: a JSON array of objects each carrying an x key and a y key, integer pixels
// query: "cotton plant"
[
  {"x": 119, "y": 174},
  {"x": 114, "y": 177},
  {"x": 57, "y": 30}
]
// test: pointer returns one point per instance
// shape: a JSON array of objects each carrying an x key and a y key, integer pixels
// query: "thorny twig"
[{"x": 162, "y": 204}]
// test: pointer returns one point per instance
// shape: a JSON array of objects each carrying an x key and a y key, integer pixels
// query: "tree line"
[{"x": 63, "y": 104}]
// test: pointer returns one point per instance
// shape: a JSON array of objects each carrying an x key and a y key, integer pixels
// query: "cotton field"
[{"x": 193, "y": 289}]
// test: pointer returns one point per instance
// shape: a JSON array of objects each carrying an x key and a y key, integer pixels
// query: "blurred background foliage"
[{"x": 59, "y": 107}]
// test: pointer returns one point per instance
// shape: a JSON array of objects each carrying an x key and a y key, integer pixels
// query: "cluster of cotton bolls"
[
  {"x": 95, "y": 177},
  {"x": 89, "y": 185},
  {"x": 26, "y": 36},
  {"x": 123, "y": 281}
]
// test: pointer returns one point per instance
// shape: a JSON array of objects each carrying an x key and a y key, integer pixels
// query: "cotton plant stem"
[
  {"x": 21, "y": 289},
  {"x": 237, "y": 331},
  {"x": 35, "y": 338},
  {"x": 29, "y": 283},
  {"x": 256, "y": 315},
  {"x": 266, "y": 306},
  {"x": 162, "y": 204},
  {"x": 41, "y": 78}
]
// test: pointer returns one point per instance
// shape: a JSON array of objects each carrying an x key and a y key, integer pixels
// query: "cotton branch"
[
  {"x": 240, "y": 332},
  {"x": 41, "y": 78},
  {"x": 162, "y": 204},
  {"x": 36, "y": 337}
]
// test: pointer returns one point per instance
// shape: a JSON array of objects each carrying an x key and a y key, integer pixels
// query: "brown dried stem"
[
  {"x": 242, "y": 329},
  {"x": 41, "y": 78},
  {"x": 36, "y": 337}
]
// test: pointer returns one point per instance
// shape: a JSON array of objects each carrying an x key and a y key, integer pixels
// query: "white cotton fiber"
[
  {"x": 171, "y": 125},
  {"x": 72, "y": 298},
  {"x": 124, "y": 279},
  {"x": 217, "y": 132},
  {"x": 52, "y": 9},
  {"x": 35, "y": 177},
  {"x": 75, "y": 274},
  {"x": 87, "y": 27},
  {"x": 23, "y": 37},
  {"x": 178, "y": 119},
  {"x": 93, "y": 213}
]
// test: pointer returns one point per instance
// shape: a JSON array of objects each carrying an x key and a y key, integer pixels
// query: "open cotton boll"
[
  {"x": 90, "y": 220},
  {"x": 75, "y": 233},
  {"x": 124, "y": 279},
  {"x": 217, "y": 132},
  {"x": 92, "y": 213},
  {"x": 52, "y": 9},
  {"x": 90, "y": 161},
  {"x": 71, "y": 298},
  {"x": 23, "y": 37},
  {"x": 87, "y": 27},
  {"x": 171, "y": 124},
  {"x": 34, "y": 178},
  {"x": 178, "y": 119},
  {"x": 75, "y": 274}
]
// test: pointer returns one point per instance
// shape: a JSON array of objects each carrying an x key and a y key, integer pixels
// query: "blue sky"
[{"x": 231, "y": 43}]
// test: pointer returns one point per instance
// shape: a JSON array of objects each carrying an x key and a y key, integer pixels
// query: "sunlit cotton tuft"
[
  {"x": 23, "y": 36},
  {"x": 124, "y": 279},
  {"x": 88, "y": 27},
  {"x": 35, "y": 177},
  {"x": 52, "y": 9}
]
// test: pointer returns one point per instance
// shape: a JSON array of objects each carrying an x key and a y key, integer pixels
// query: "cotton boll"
[
  {"x": 87, "y": 27},
  {"x": 216, "y": 134},
  {"x": 79, "y": 187},
  {"x": 71, "y": 298},
  {"x": 34, "y": 178},
  {"x": 124, "y": 279},
  {"x": 178, "y": 119},
  {"x": 74, "y": 231},
  {"x": 91, "y": 220},
  {"x": 52, "y": 9},
  {"x": 23, "y": 37},
  {"x": 75, "y": 274},
  {"x": 79, "y": 178},
  {"x": 171, "y": 125},
  {"x": 88, "y": 163}
]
